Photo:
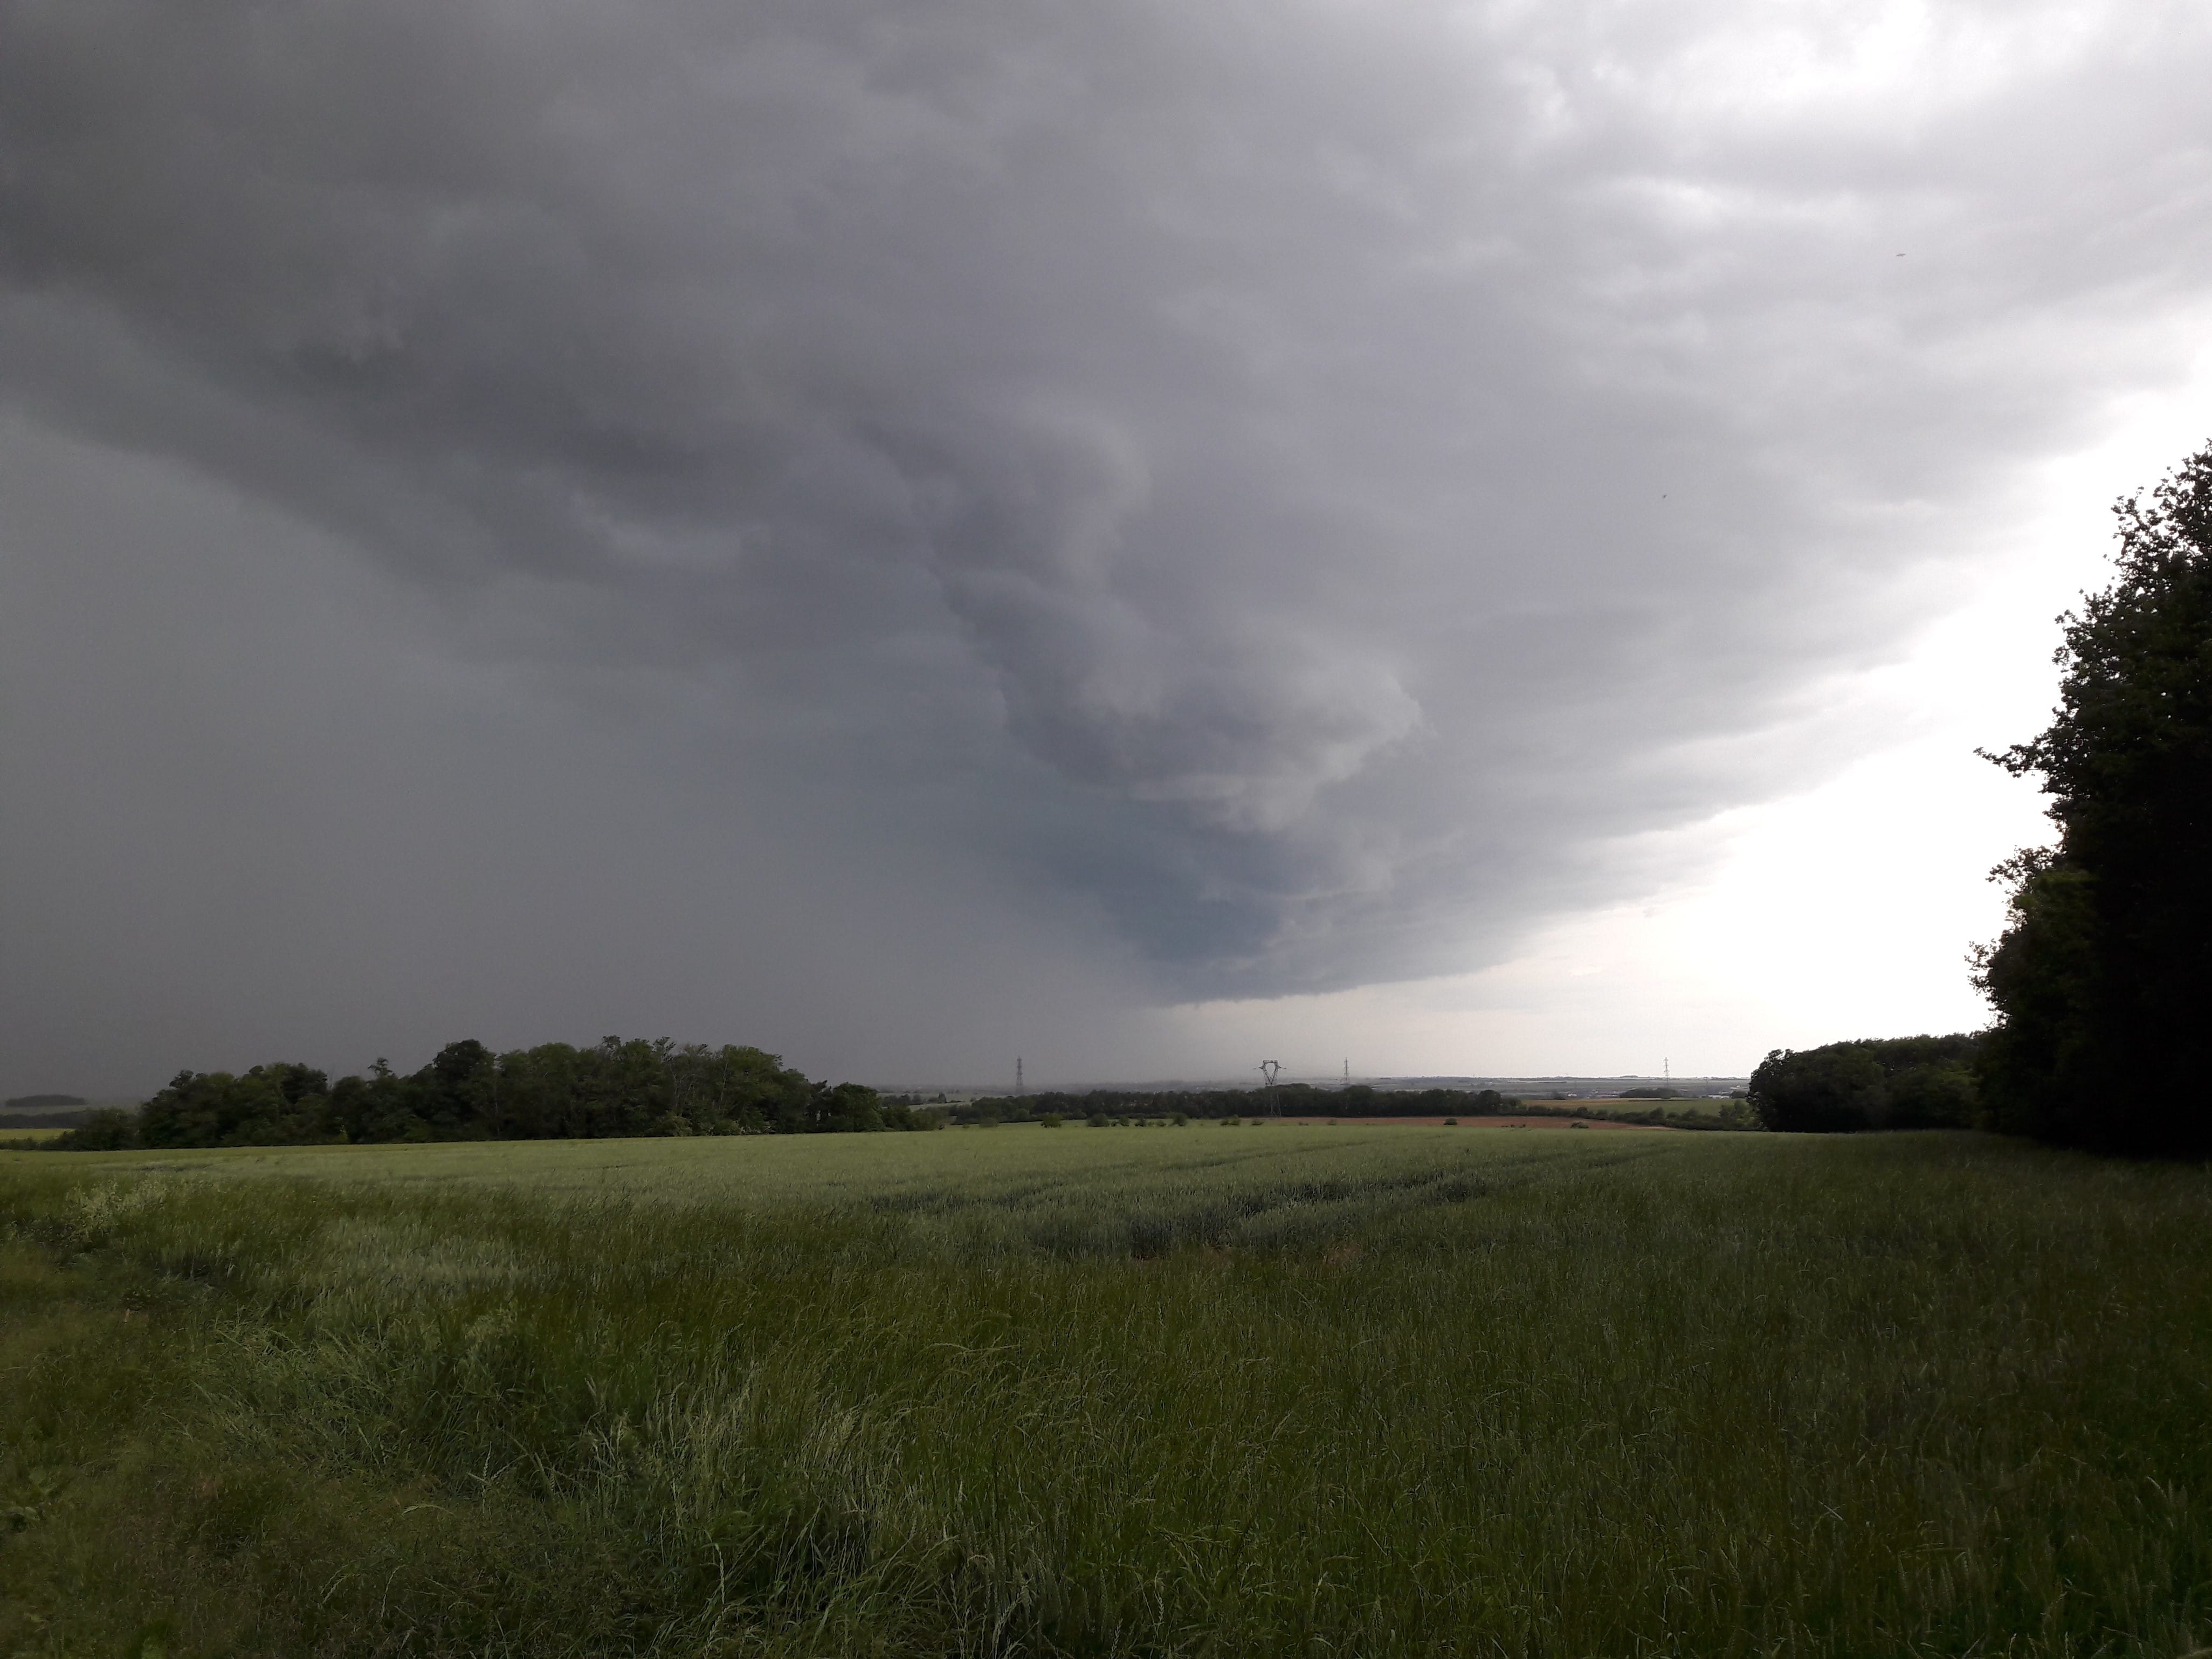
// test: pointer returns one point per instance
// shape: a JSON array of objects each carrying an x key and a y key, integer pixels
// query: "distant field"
[
  {"x": 1201, "y": 1391},
  {"x": 1520, "y": 1121},
  {"x": 1700, "y": 1107},
  {"x": 1010, "y": 1168}
]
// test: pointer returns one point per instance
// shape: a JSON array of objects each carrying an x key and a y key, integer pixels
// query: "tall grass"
[{"x": 1280, "y": 1391}]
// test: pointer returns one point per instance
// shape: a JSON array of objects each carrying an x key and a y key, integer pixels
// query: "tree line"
[
  {"x": 1350, "y": 1103},
  {"x": 1287, "y": 1099},
  {"x": 620, "y": 1087}
]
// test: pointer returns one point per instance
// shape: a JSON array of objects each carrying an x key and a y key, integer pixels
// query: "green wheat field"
[{"x": 1190, "y": 1391}]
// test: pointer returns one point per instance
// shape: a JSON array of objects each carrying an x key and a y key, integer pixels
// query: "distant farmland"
[{"x": 1287, "y": 1390}]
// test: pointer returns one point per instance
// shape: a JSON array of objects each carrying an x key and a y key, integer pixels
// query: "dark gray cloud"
[{"x": 1281, "y": 491}]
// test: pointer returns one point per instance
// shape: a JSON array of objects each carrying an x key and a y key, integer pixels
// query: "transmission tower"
[
  {"x": 1268, "y": 1069},
  {"x": 1018, "y": 1076}
]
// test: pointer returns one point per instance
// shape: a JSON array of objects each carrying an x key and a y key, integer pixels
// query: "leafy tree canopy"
[
  {"x": 2101, "y": 977},
  {"x": 1900, "y": 1083},
  {"x": 621, "y": 1086}
]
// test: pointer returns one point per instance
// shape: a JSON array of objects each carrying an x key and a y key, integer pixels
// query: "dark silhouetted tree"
[
  {"x": 2102, "y": 978},
  {"x": 1898, "y": 1083},
  {"x": 271, "y": 1105}
]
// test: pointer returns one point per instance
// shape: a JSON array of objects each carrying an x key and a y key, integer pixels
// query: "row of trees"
[
  {"x": 1285, "y": 1100},
  {"x": 554, "y": 1092},
  {"x": 1356, "y": 1101}
]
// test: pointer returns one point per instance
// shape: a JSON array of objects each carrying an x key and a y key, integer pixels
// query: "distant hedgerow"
[{"x": 554, "y": 1092}]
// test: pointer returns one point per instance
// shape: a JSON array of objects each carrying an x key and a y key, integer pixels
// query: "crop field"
[{"x": 1279, "y": 1390}]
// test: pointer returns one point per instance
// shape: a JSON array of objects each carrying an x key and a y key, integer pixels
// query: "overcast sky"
[{"x": 1471, "y": 539}]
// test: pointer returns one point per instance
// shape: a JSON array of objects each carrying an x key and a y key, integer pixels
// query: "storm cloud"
[{"x": 1288, "y": 492}]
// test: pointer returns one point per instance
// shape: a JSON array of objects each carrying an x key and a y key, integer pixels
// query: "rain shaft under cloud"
[{"x": 1286, "y": 490}]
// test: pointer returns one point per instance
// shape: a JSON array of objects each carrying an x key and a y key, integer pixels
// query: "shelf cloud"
[{"x": 1292, "y": 490}]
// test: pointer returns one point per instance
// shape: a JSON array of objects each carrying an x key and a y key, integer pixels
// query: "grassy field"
[{"x": 1254, "y": 1391}]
